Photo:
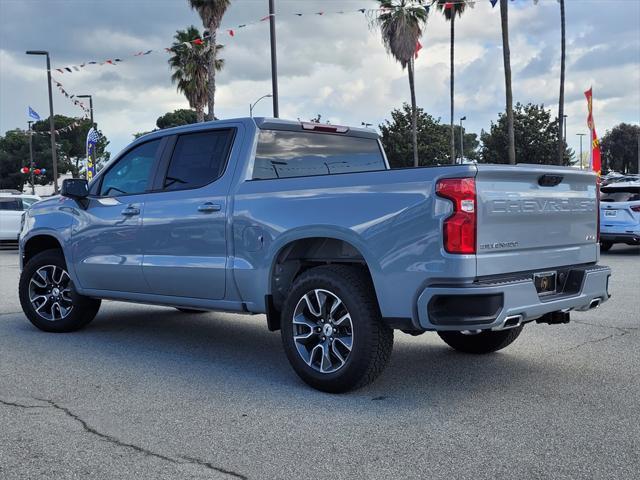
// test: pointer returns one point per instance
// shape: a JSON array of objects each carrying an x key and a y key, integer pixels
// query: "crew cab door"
[
  {"x": 11, "y": 213},
  {"x": 106, "y": 246},
  {"x": 184, "y": 223}
]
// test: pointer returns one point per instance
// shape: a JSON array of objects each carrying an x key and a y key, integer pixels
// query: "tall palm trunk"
[
  {"x": 200, "y": 113},
  {"x": 414, "y": 114},
  {"x": 213, "y": 27},
  {"x": 506, "y": 55},
  {"x": 453, "y": 144},
  {"x": 561, "y": 97}
]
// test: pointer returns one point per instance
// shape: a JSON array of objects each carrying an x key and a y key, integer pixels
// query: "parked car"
[
  {"x": 12, "y": 208},
  {"x": 620, "y": 214},
  {"x": 306, "y": 223}
]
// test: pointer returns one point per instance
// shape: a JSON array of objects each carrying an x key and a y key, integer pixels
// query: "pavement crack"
[
  {"x": 597, "y": 340},
  {"x": 20, "y": 405},
  {"x": 625, "y": 330},
  {"x": 111, "y": 439}
]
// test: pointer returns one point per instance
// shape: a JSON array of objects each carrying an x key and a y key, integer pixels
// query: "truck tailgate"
[{"x": 533, "y": 217}]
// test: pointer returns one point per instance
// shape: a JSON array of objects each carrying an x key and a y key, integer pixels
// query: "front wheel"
[
  {"x": 486, "y": 341},
  {"x": 332, "y": 329},
  {"x": 48, "y": 296}
]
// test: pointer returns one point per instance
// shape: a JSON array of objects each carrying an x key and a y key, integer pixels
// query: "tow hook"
[{"x": 554, "y": 318}]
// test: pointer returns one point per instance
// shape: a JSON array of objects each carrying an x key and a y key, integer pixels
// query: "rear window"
[
  {"x": 283, "y": 154},
  {"x": 11, "y": 204},
  {"x": 627, "y": 194}
]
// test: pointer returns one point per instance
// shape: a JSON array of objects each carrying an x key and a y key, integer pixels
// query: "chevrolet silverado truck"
[{"x": 307, "y": 224}]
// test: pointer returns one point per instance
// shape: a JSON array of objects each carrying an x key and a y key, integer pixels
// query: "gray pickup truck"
[{"x": 307, "y": 224}]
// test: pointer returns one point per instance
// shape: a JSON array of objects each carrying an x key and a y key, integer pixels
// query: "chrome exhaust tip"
[
  {"x": 512, "y": 321},
  {"x": 595, "y": 303}
]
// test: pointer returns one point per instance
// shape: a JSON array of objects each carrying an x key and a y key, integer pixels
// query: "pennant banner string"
[{"x": 232, "y": 30}]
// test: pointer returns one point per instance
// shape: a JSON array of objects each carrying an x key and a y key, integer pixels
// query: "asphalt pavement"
[{"x": 150, "y": 393}]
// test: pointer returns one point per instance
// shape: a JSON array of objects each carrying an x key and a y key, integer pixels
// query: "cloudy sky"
[{"x": 332, "y": 64}]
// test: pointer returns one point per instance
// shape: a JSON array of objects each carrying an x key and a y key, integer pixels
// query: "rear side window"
[
  {"x": 283, "y": 154},
  {"x": 198, "y": 159},
  {"x": 630, "y": 194},
  {"x": 11, "y": 204}
]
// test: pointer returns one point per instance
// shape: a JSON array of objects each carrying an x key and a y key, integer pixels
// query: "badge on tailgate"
[{"x": 545, "y": 282}]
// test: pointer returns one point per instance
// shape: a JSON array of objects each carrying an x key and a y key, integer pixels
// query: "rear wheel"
[
  {"x": 332, "y": 330},
  {"x": 48, "y": 296},
  {"x": 486, "y": 341},
  {"x": 605, "y": 246}
]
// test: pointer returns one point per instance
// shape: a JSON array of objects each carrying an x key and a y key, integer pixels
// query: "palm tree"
[
  {"x": 450, "y": 9},
  {"x": 190, "y": 65},
  {"x": 400, "y": 22},
  {"x": 211, "y": 12},
  {"x": 506, "y": 55}
]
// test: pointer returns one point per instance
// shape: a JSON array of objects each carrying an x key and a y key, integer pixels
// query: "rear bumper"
[
  {"x": 505, "y": 302},
  {"x": 623, "y": 237}
]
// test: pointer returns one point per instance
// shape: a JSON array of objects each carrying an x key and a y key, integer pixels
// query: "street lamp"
[
  {"x": 564, "y": 124},
  {"x": 52, "y": 127},
  {"x": 90, "y": 105},
  {"x": 581, "y": 135},
  {"x": 252, "y": 106},
  {"x": 462, "y": 140}
]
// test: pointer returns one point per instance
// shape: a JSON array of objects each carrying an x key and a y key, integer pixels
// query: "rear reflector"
[
  {"x": 319, "y": 127},
  {"x": 459, "y": 230}
]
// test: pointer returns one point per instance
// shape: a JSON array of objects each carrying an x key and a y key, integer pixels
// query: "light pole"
[
  {"x": 274, "y": 60},
  {"x": 33, "y": 188},
  {"x": 52, "y": 128},
  {"x": 564, "y": 124},
  {"x": 252, "y": 105},
  {"x": 462, "y": 140},
  {"x": 90, "y": 105},
  {"x": 581, "y": 135}
]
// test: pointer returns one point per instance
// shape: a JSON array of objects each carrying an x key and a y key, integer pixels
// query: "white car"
[{"x": 12, "y": 209}]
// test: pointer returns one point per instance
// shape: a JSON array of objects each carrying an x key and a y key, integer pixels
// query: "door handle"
[
  {"x": 209, "y": 207},
  {"x": 130, "y": 211}
]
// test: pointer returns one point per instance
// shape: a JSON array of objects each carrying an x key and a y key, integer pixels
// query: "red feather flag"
[
  {"x": 418, "y": 48},
  {"x": 596, "y": 164}
]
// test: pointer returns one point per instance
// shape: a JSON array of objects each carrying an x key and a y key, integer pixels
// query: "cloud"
[{"x": 332, "y": 64}]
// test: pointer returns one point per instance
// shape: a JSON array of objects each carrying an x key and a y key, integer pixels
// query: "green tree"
[
  {"x": 432, "y": 139},
  {"x": 182, "y": 116},
  {"x": 401, "y": 23},
  {"x": 190, "y": 65},
  {"x": 535, "y": 137},
  {"x": 506, "y": 58},
  {"x": 70, "y": 149},
  {"x": 211, "y": 13},
  {"x": 450, "y": 10},
  {"x": 620, "y": 148}
]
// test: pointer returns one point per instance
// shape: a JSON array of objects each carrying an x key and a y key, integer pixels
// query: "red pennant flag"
[
  {"x": 448, "y": 5},
  {"x": 418, "y": 48},
  {"x": 231, "y": 32},
  {"x": 265, "y": 18},
  {"x": 596, "y": 163},
  {"x": 198, "y": 41}
]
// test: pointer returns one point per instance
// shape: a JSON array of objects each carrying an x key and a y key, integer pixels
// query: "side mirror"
[{"x": 76, "y": 188}]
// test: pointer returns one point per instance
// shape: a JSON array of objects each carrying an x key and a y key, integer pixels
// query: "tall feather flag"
[
  {"x": 596, "y": 165},
  {"x": 92, "y": 141}
]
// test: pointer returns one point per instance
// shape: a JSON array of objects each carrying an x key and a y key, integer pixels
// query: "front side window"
[
  {"x": 11, "y": 204},
  {"x": 130, "y": 175},
  {"x": 284, "y": 154},
  {"x": 198, "y": 159}
]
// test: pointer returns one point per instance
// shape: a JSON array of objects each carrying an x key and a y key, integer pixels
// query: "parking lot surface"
[{"x": 148, "y": 392}]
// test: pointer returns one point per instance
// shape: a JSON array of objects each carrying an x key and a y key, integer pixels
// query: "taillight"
[
  {"x": 636, "y": 208},
  {"x": 459, "y": 230},
  {"x": 598, "y": 207}
]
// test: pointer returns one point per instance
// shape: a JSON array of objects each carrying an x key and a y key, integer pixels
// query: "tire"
[
  {"x": 45, "y": 279},
  {"x": 486, "y": 341},
  {"x": 353, "y": 347},
  {"x": 605, "y": 246},
  {"x": 190, "y": 310}
]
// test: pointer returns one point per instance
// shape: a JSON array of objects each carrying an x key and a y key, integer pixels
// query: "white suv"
[{"x": 12, "y": 210}]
